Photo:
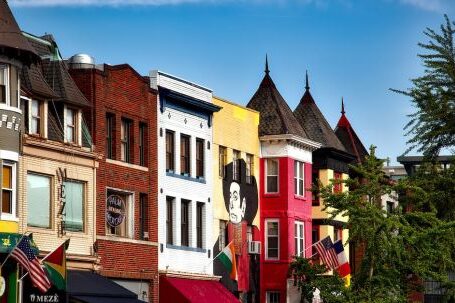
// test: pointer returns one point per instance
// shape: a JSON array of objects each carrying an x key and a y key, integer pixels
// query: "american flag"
[
  {"x": 327, "y": 252},
  {"x": 24, "y": 254}
]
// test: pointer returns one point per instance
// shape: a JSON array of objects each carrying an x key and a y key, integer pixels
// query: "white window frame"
[
  {"x": 51, "y": 180},
  {"x": 268, "y": 293},
  {"x": 267, "y": 239},
  {"x": 13, "y": 215},
  {"x": 7, "y": 86},
  {"x": 130, "y": 210},
  {"x": 299, "y": 175},
  {"x": 267, "y": 175},
  {"x": 77, "y": 124},
  {"x": 42, "y": 104},
  {"x": 299, "y": 251},
  {"x": 7, "y": 78}
]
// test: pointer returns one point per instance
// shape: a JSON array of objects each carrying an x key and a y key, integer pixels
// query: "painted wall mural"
[{"x": 241, "y": 200}]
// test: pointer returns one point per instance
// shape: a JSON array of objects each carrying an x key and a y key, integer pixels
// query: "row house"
[
  {"x": 236, "y": 214},
  {"x": 185, "y": 191},
  {"x": 123, "y": 122},
  {"x": 15, "y": 53},
  {"x": 330, "y": 162},
  {"x": 285, "y": 176}
]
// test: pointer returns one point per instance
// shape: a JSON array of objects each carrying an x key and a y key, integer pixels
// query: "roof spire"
[
  {"x": 342, "y": 106},
  {"x": 307, "y": 86},
  {"x": 267, "y": 71}
]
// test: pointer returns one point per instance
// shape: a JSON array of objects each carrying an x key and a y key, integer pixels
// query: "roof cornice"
[{"x": 310, "y": 144}]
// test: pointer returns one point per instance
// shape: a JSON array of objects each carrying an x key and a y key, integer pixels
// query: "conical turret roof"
[
  {"x": 276, "y": 118},
  {"x": 12, "y": 42},
  {"x": 349, "y": 138},
  {"x": 314, "y": 123}
]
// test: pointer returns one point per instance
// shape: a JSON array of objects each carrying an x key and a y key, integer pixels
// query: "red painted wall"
[
  {"x": 122, "y": 91},
  {"x": 288, "y": 208}
]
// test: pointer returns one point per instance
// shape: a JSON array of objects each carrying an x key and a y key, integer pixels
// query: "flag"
[
  {"x": 227, "y": 257},
  {"x": 327, "y": 253},
  {"x": 344, "y": 270},
  {"x": 55, "y": 265},
  {"x": 25, "y": 256}
]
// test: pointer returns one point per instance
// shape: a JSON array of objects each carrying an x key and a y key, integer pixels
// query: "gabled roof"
[
  {"x": 11, "y": 37},
  {"x": 276, "y": 118},
  {"x": 314, "y": 123},
  {"x": 349, "y": 138}
]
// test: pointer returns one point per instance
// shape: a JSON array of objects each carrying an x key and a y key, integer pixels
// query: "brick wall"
[{"x": 121, "y": 91}]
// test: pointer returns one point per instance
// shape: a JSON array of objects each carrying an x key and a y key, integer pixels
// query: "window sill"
[
  {"x": 186, "y": 248},
  {"x": 188, "y": 178},
  {"x": 8, "y": 217},
  {"x": 126, "y": 240},
  {"x": 125, "y": 164},
  {"x": 271, "y": 195},
  {"x": 303, "y": 198}
]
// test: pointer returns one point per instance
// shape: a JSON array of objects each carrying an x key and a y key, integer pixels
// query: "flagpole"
[
  {"x": 212, "y": 260},
  {"x": 11, "y": 251}
]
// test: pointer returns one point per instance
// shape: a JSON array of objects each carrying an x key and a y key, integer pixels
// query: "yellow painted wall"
[
  {"x": 9, "y": 227},
  {"x": 234, "y": 127}
]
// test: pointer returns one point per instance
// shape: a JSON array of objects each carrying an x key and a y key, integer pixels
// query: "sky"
[{"x": 356, "y": 49}]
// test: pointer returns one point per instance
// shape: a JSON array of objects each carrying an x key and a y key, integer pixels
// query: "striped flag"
[
  {"x": 25, "y": 256},
  {"x": 227, "y": 257},
  {"x": 327, "y": 252},
  {"x": 344, "y": 270}
]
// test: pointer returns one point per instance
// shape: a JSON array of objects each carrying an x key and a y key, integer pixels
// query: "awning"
[
  {"x": 181, "y": 290},
  {"x": 89, "y": 287}
]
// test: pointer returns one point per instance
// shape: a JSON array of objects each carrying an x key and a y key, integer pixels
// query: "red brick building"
[{"x": 123, "y": 124}]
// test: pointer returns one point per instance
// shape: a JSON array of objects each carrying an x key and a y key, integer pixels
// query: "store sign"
[
  {"x": 61, "y": 177},
  {"x": 115, "y": 210}
]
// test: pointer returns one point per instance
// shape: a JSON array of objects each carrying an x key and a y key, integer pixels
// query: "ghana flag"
[{"x": 55, "y": 264}]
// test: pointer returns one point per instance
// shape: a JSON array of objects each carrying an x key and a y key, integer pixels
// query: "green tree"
[
  {"x": 398, "y": 246},
  {"x": 432, "y": 126}
]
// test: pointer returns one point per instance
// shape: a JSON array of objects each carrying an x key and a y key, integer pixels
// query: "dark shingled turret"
[
  {"x": 12, "y": 43},
  {"x": 349, "y": 138},
  {"x": 314, "y": 123},
  {"x": 276, "y": 118}
]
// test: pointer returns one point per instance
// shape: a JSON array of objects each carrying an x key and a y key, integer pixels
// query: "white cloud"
[{"x": 430, "y": 5}]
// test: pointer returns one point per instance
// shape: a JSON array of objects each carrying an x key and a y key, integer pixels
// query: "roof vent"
[{"x": 81, "y": 61}]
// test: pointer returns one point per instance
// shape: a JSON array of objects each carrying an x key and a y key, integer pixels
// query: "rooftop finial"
[
  {"x": 267, "y": 71},
  {"x": 342, "y": 106},
  {"x": 307, "y": 86}
]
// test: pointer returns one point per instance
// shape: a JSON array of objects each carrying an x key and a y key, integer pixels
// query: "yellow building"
[{"x": 236, "y": 192}]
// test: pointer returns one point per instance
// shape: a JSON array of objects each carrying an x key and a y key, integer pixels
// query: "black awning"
[{"x": 89, "y": 287}]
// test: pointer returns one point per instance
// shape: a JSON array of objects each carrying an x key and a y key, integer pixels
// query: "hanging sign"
[{"x": 115, "y": 210}]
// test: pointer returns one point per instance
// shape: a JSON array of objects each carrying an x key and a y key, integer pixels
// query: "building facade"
[
  {"x": 285, "y": 176},
  {"x": 236, "y": 207},
  {"x": 123, "y": 123}
]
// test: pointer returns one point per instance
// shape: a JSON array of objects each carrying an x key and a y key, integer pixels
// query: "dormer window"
[
  {"x": 70, "y": 125},
  {"x": 9, "y": 85},
  {"x": 35, "y": 117}
]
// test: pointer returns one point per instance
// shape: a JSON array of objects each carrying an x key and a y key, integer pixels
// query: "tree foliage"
[
  {"x": 432, "y": 126},
  {"x": 400, "y": 247}
]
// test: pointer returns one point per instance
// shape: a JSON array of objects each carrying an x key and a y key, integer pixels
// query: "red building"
[
  {"x": 285, "y": 176},
  {"x": 123, "y": 124}
]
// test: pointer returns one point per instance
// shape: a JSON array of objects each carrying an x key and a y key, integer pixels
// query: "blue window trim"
[
  {"x": 186, "y": 248},
  {"x": 188, "y": 178}
]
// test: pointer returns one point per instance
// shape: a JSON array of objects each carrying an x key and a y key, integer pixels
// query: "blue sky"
[{"x": 352, "y": 48}]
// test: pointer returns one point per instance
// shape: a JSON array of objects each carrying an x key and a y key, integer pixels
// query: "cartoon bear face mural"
[{"x": 240, "y": 194}]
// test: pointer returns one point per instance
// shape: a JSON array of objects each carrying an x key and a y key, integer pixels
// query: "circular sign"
[
  {"x": 115, "y": 211},
  {"x": 2, "y": 286}
]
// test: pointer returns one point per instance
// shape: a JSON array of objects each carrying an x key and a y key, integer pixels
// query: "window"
[
  {"x": 389, "y": 206},
  {"x": 184, "y": 154},
  {"x": 272, "y": 239},
  {"x": 222, "y": 161},
  {"x": 119, "y": 219},
  {"x": 337, "y": 233},
  {"x": 74, "y": 207},
  {"x": 299, "y": 239},
  {"x": 272, "y": 297},
  {"x": 142, "y": 144},
  {"x": 199, "y": 224},
  {"x": 314, "y": 237},
  {"x": 338, "y": 187},
  {"x": 249, "y": 168},
  {"x": 199, "y": 158},
  {"x": 236, "y": 165},
  {"x": 3, "y": 83},
  {"x": 298, "y": 178},
  {"x": 185, "y": 222},
  {"x": 144, "y": 217},
  {"x": 223, "y": 236},
  {"x": 9, "y": 85},
  {"x": 35, "y": 117},
  {"x": 170, "y": 150},
  {"x": 272, "y": 176},
  {"x": 315, "y": 180},
  {"x": 38, "y": 200},
  {"x": 125, "y": 139},
  {"x": 14, "y": 82},
  {"x": 70, "y": 125},
  {"x": 170, "y": 220},
  {"x": 110, "y": 135},
  {"x": 9, "y": 188}
]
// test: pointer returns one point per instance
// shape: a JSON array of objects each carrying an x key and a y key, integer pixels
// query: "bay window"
[
  {"x": 9, "y": 189},
  {"x": 298, "y": 178},
  {"x": 272, "y": 239},
  {"x": 272, "y": 175},
  {"x": 299, "y": 239}
]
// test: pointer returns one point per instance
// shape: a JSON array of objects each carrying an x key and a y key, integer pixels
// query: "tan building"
[{"x": 235, "y": 193}]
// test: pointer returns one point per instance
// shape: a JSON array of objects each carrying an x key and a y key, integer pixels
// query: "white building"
[{"x": 185, "y": 212}]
